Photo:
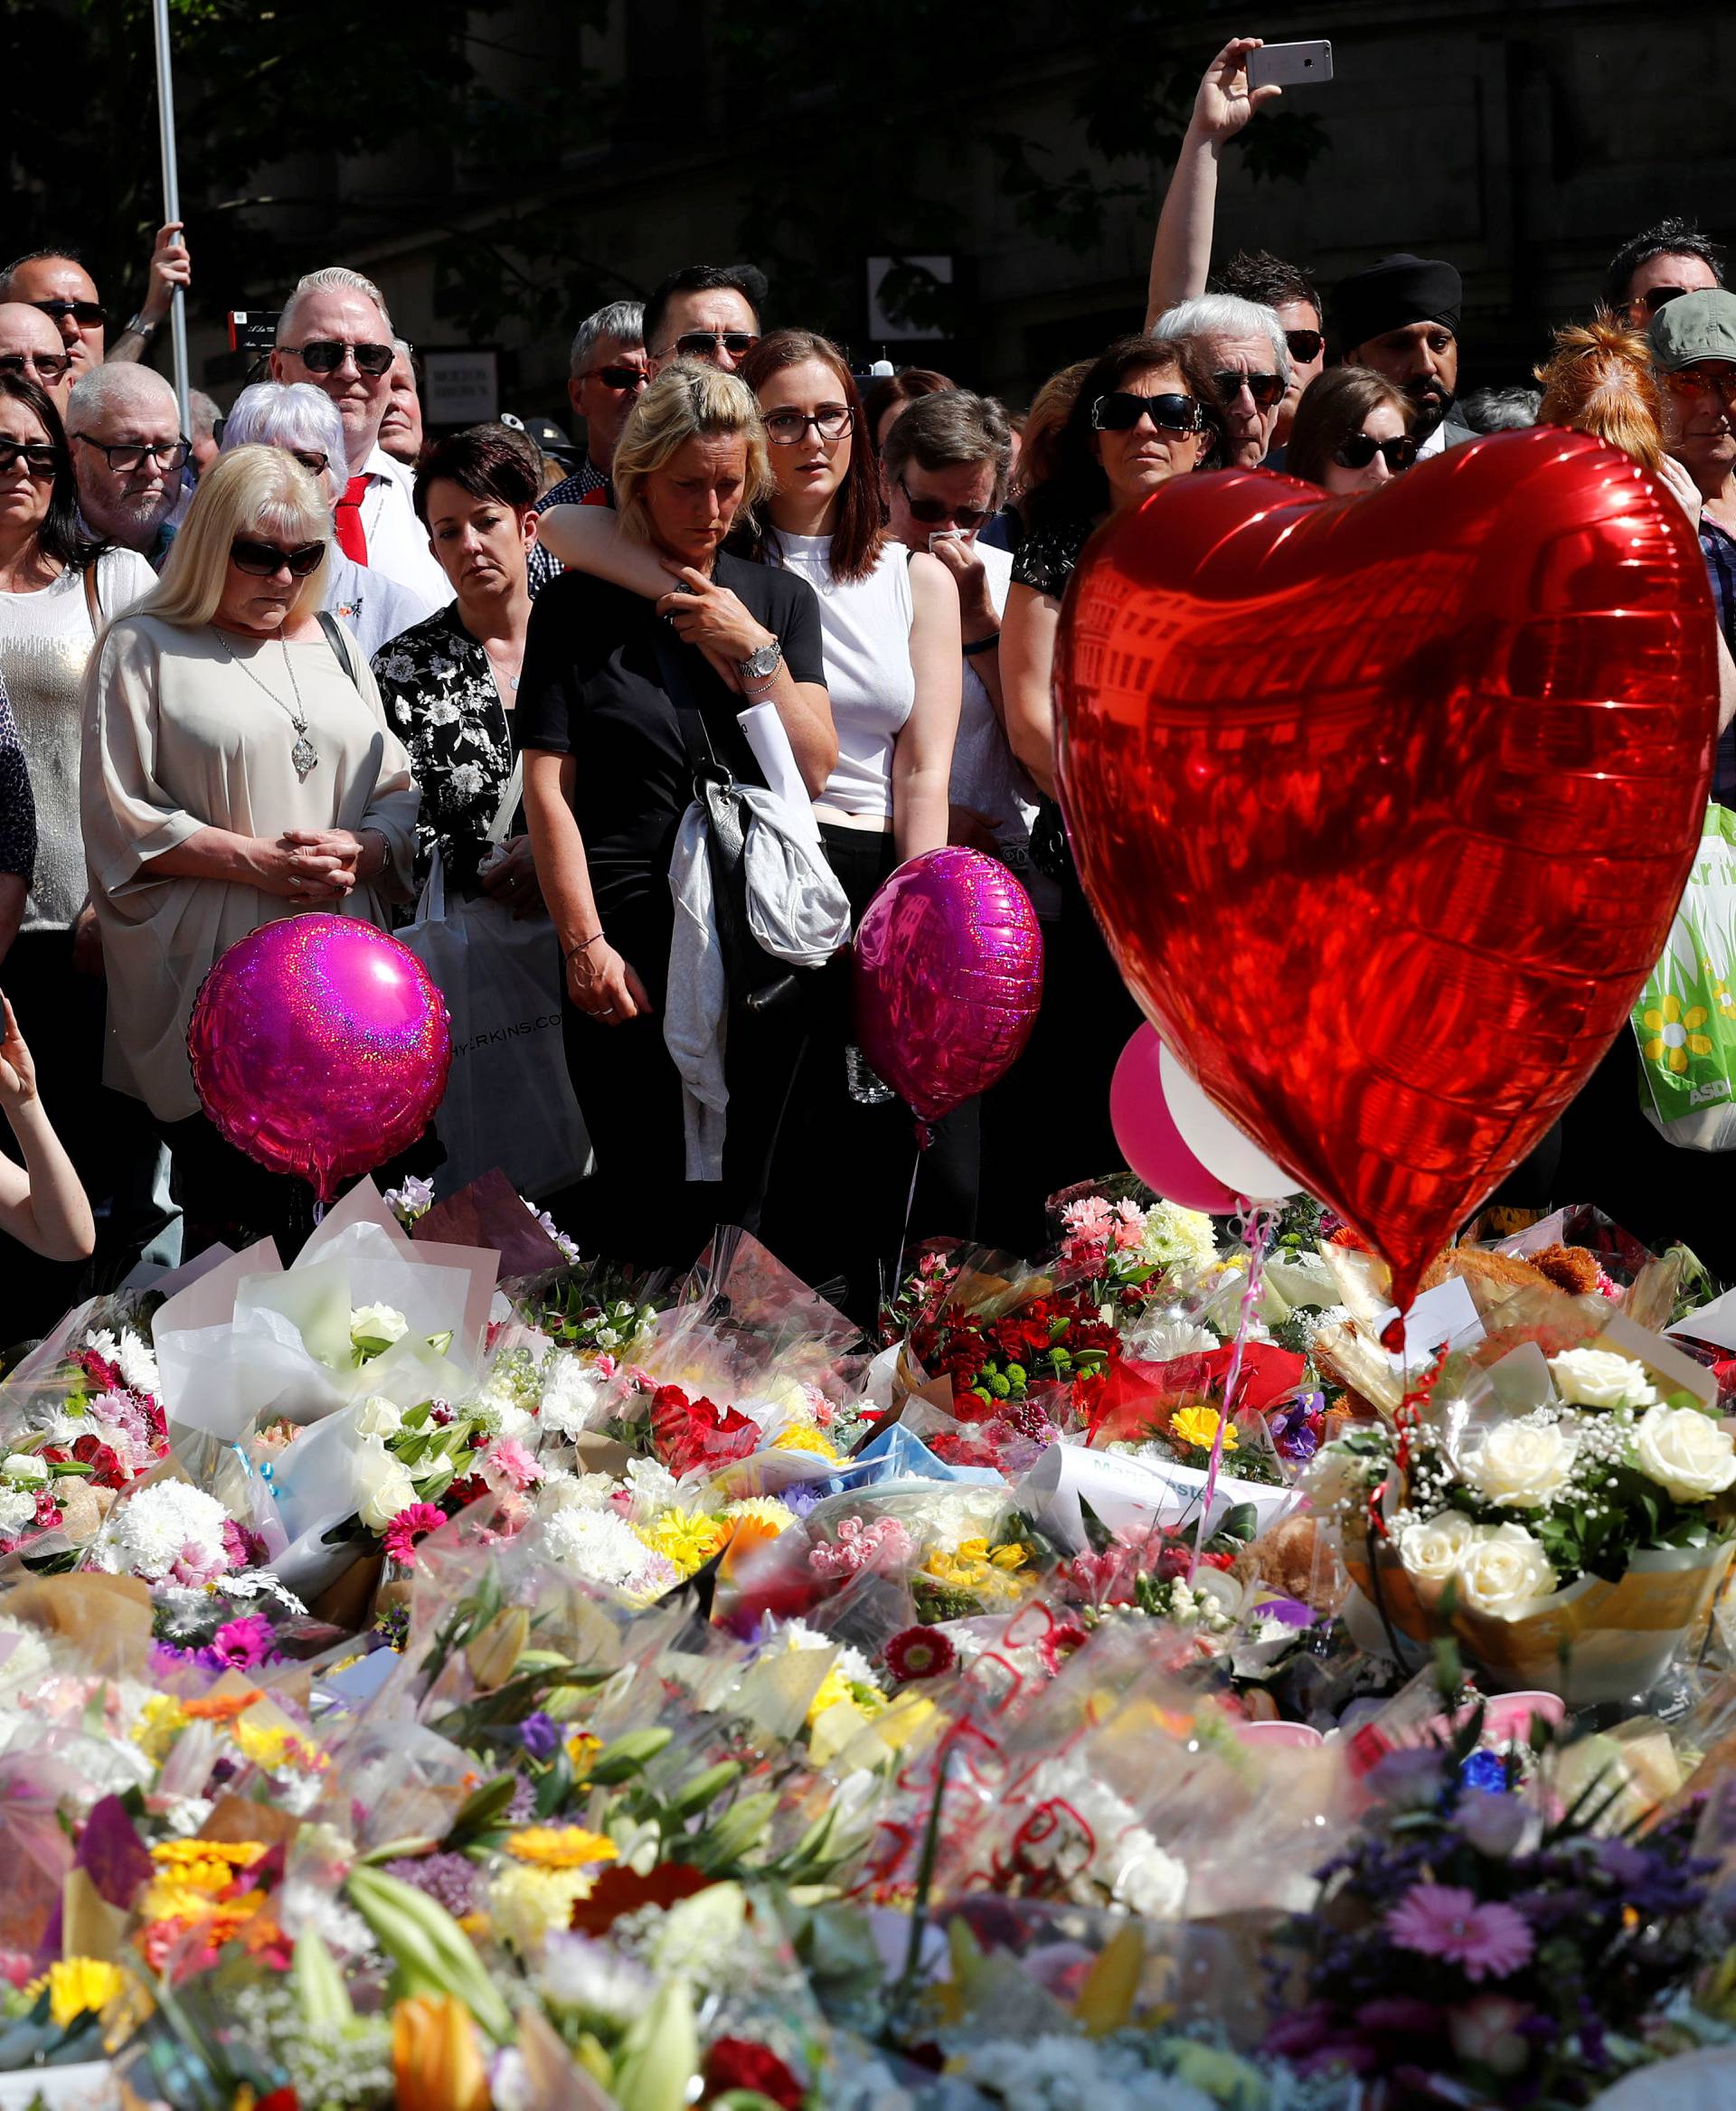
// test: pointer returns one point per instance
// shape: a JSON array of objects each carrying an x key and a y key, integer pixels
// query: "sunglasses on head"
[
  {"x": 703, "y": 344},
  {"x": 617, "y": 377},
  {"x": 1305, "y": 345},
  {"x": 89, "y": 315},
  {"x": 265, "y": 559},
  {"x": 1361, "y": 448},
  {"x": 1699, "y": 380},
  {"x": 935, "y": 513},
  {"x": 325, "y": 355},
  {"x": 1121, "y": 411},
  {"x": 37, "y": 456},
  {"x": 40, "y": 366},
  {"x": 1264, "y": 388}
]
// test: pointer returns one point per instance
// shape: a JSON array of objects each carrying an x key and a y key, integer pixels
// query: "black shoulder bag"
[{"x": 757, "y": 982}]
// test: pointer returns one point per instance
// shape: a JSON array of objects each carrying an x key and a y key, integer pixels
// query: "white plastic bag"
[
  {"x": 1684, "y": 1018},
  {"x": 508, "y": 1099}
]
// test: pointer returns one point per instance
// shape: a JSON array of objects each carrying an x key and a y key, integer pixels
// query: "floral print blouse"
[
  {"x": 439, "y": 694},
  {"x": 17, "y": 808}
]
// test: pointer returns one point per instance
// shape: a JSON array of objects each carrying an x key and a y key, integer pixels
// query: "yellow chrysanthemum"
[
  {"x": 209, "y": 1864},
  {"x": 78, "y": 1985},
  {"x": 688, "y": 1542},
  {"x": 524, "y": 1904},
  {"x": 1199, "y": 1426},
  {"x": 560, "y": 1846},
  {"x": 804, "y": 1436},
  {"x": 160, "y": 1721}
]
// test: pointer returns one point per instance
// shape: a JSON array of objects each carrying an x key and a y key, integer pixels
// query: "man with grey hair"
[
  {"x": 1242, "y": 344},
  {"x": 335, "y": 331},
  {"x": 606, "y": 372},
  {"x": 400, "y": 429},
  {"x": 129, "y": 455}
]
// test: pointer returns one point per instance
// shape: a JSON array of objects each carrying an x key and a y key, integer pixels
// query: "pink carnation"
[
  {"x": 409, "y": 1528},
  {"x": 1442, "y": 1920},
  {"x": 882, "y": 1545},
  {"x": 195, "y": 1566}
]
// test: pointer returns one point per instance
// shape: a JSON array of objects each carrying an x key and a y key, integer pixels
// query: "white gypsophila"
[
  {"x": 1598, "y": 1378},
  {"x": 1430, "y": 1547},
  {"x": 162, "y": 1523},
  {"x": 1503, "y": 1569},
  {"x": 851, "y": 1664},
  {"x": 136, "y": 1363},
  {"x": 598, "y": 1546},
  {"x": 1524, "y": 1465},
  {"x": 17, "y": 1508},
  {"x": 575, "y": 1398},
  {"x": 303, "y": 1906},
  {"x": 1686, "y": 1453},
  {"x": 1057, "y": 2073}
]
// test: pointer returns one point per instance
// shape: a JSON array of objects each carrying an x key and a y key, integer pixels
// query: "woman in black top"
[{"x": 607, "y": 776}]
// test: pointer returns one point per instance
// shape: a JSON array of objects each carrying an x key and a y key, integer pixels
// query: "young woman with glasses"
[
  {"x": 1140, "y": 417},
  {"x": 237, "y": 768},
  {"x": 1351, "y": 432}
]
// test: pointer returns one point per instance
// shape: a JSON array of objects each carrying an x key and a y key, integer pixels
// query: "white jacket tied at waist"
[{"x": 797, "y": 911}]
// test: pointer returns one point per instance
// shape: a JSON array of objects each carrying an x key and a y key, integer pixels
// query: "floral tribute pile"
[{"x": 445, "y": 1673}]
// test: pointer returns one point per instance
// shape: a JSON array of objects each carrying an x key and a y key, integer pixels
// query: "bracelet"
[
  {"x": 139, "y": 327},
  {"x": 982, "y": 645},
  {"x": 596, "y": 938}
]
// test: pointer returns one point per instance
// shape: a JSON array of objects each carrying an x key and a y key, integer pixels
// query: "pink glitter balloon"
[
  {"x": 948, "y": 978},
  {"x": 320, "y": 1047}
]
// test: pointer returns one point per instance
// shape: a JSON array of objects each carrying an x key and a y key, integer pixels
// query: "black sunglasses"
[
  {"x": 312, "y": 460},
  {"x": 265, "y": 561},
  {"x": 89, "y": 315},
  {"x": 1264, "y": 388},
  {"x": 325, "y": 355},
  {"x": 1305, "y": 344},
  {"x": 935, "y": 513},
  {"x": 37, "y": 456},
  {"x": 702, "y": 344},
  {"x": 1121, "y": 411},
  {"x": 1657, "y": 297},
  {"x": 617, "y": 377},
  {"x": 1361, "y": 448},
  {"x": 39, "y": 366}
]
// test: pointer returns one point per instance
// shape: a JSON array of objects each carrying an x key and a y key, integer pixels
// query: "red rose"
[{"x": 738, "y": 2063}]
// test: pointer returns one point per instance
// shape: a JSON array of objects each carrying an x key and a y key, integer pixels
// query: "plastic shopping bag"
[
  {"x": 508, "y": 1099},
  {"x": 1685, "y": 1016}
]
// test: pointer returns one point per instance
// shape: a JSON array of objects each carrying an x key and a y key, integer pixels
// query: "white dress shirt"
[{"x": 397, "y": 541}]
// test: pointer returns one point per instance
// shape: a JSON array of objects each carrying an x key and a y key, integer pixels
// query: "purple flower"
[
  {"x": 1487, "y": 1771},
  {"x": 539, "y": 1735},
  {"x": 246, "y": 1550},
  {"x": 448, "y": 1879}
]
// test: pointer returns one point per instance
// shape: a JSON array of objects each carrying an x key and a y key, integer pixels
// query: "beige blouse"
[{"x": 177, "y": 738}]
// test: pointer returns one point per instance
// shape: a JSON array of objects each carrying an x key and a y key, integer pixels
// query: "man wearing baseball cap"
[
  {"x": 1693, "y": 349},
  {"x": 1401, "y": 317}
]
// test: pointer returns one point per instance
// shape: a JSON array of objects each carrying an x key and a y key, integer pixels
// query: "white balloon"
[{"x": 1226, "y": 1150}]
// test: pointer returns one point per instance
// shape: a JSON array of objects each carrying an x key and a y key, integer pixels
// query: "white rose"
[
  {"x": 1502, "y": 1568},
  {"x": 1686, "y": 1453},
  {"x": 1524, "y": 1465},
  {"x": 379, "y": 1417},
  {"x": 24, "y": 1466},
  {"x": 1431, "y": 1549},
  {"x": 393, "y": 1492},
  {"x": 16, "y": 1510},
  {"x": 1595, "y": 1378},
  {"x": 377, "y": 1322}
]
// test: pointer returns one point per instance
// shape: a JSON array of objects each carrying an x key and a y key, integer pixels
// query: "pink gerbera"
[
  {"x": 409, "y": 1528},
  {"x": 1441, "y": 1920},
  {"x": 509, "y": 1459},
  {"x": 920, "y": 1653}
]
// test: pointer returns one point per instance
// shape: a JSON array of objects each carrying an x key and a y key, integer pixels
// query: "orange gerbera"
[{"x": 222, "y": 1707}]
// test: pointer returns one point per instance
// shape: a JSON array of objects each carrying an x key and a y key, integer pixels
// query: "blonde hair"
[
  {"x": 252, "y": 491},
  {"x": 689, "y": 400},
  {"x": 332, "y": 278},
  {"x": 1599, "y": 380}
]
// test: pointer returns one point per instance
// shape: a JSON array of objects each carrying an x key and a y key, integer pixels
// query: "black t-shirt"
[{"x": 592, "y": 687}]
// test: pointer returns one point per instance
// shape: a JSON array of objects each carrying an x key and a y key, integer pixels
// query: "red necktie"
[{"x": 347, "y": 517}]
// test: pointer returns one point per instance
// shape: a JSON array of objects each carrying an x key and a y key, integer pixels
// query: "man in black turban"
[{"x": 1401, "y": 317}]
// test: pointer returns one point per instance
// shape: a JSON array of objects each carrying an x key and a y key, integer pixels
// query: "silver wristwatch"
[{"x": 762, "y": 664}]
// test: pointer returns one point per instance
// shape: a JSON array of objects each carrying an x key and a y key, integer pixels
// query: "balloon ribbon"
[{"x": 1256, "y": 1230}]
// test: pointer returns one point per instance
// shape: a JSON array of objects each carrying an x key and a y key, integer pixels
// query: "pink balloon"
[
  {"x": 1146, "y": 1130},
  {"x": 320, "y": 1047},
  {"x": 948, "y": 978}
]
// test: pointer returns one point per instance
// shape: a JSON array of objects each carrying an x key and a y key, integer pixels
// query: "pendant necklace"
[{"x": 303, "y": 755}]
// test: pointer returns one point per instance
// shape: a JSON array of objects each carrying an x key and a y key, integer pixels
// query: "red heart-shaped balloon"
[{"x": 1385, "y": 803}]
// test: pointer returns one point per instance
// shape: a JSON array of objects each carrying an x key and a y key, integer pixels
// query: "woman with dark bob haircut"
[
  {"x": 1351, "y": 432},
  {"x": 450, "y": 682}
]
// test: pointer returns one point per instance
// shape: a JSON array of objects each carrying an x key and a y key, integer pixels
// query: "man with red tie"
[{"x": 335, "y": 331}]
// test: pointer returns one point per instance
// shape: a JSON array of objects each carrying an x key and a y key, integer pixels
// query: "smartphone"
[{"x": 1290, "y": 65}]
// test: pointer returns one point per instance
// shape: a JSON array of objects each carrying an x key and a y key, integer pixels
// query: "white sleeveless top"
[{"x": 866, "y": 625}]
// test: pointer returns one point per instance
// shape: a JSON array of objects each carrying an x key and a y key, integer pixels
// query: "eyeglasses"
[
  {"x": 1264, "y": 388},
  {"x": 935, "y": 513},
  {"x": 39, "y": 366},
  {"x": 1305, "y": 345},
  {"x": 1361, "y": 448},
  {"x": 37, "y": 456},
  {"x": 703, "y": 344},
  {"x": 265, "y": 561},
  {"x": 1699, "y": 380},
  {"x": 89, "y": 315},
  {"x": 1647, "y": 304},
  {"x": 788, "y": 429},
  {"x": 327, "y": 354},
  {"x": 127, "y": 455},
  {"x": 311, "y": 459},
  {"x": 1121, "y": 411},
  {"x": 617, "y": 377}
]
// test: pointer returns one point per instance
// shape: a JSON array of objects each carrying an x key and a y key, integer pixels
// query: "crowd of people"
[{"x": 292, "y": 659}]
